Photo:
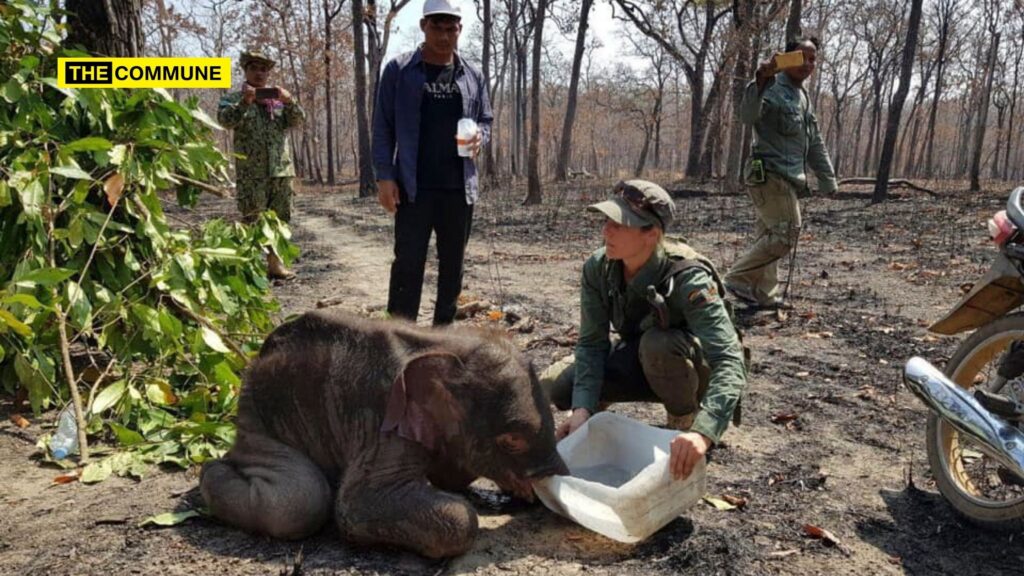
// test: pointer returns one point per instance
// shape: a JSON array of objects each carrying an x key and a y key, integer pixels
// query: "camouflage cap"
[
  {"x": 638, "y": 203},
  {"x": 250, "y": 56}
]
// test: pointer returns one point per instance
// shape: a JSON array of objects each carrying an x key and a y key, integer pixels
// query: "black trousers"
[{"x": 445, "y": 213}]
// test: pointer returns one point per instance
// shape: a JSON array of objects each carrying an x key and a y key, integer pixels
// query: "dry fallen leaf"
[
  {"x": 113, "y": 186},
  {"x": 718, "y": 503},
  {"x": 737, "y": 501},
  {"x": 67, "y": 478},
  {"x": 495, "y": 315},
  {"x": 824, "y": 535},
  {"x": 19, "y": 421},
  {"x": 782, "y": 554},
  {"x": 783, "y": 418}
]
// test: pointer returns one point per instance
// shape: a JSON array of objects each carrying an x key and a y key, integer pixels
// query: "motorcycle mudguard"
[{"x": 999, "y": 291}]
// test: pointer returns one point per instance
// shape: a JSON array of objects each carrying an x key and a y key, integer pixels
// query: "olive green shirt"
[
  {"x": 260, "y": 136},
  {"x": 786, "y": 135},
  {"x": 694, "y": 305}
]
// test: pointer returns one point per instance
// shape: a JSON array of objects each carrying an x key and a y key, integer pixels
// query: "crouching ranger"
[{"x": 676, "y": 341}]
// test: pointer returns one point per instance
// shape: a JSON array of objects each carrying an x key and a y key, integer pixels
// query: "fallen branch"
[
  {"x": 203, "y": 186},
  {"x": 893, "y": 182},
  {"x": 204, "y": 322}
]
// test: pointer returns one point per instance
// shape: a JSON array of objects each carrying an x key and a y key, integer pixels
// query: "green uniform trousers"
[
  {"x": 665, "y": 366},
  {"x": 778, "y": 224},
  {"x": 259, "y": 195}
]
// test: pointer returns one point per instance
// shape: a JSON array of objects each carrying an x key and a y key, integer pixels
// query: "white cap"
[{"x": 435, "y": 7}]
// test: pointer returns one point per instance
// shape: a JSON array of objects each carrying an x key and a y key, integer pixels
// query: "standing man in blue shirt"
[{"x": 421, "y": 179}]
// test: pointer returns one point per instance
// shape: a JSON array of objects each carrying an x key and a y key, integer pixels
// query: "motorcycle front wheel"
[{"x": 977, "y": 486}]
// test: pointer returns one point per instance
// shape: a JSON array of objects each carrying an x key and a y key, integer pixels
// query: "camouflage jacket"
[
  {"x": 786, "y": 132},
  {"x": 260, "y": 136},
  {"x": 694, "y": 305}
]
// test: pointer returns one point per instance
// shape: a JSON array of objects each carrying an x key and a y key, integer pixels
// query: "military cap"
[
  {"x": 638, "y": 203},
  {"x": 250, "y": 56}
]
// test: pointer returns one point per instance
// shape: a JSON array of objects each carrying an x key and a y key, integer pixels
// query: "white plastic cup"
[{"x": 465, "y": 133}]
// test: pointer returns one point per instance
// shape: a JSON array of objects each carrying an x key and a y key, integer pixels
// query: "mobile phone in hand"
[
  {"x": 268, "y": 93},
  {"x": 789, "y": 59}
]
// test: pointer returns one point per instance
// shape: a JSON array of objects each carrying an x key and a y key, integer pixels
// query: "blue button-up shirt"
[{"x": 396, "y": 119}]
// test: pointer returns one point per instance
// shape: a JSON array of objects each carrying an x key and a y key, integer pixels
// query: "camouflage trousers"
[
  {"x": 664, "y": 366},
  {"x": 778, "y": 223},
  {"x": 258, "y": 195}
]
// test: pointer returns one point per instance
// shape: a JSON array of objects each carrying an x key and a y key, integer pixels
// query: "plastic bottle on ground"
[{"x": 64, "y": 441}]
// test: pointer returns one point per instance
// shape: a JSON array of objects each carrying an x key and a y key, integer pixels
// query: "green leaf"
[
  {"x": 128, "y": 464},
  {"x": 108, "y": 397},
  {"x": 18, "y": 326},
  {"x": 96, "y": 472},
  {"x": 43, "y": 277},
  {"x": 117, "y": 154},
  {"x": 169, "y": 518},
  {"x": 88, "y": 144},
  {"x": 32, "y": 197},
  {"x": 33, "y": 381},
  {"x": 12, "y": 91},
  {"x": 159, "y": 392},
  {"x": 23, "y": 299},
  {"x": 71, "y": 172},
  {"x": 81, "y": 308},
  {"x": 214, "y": 341},
  {"x": 5, "y": 194},
  {"x": 2, "y": 354},
  {"x": 198, "y": 114},
  {"x": 229, "y": 254},
  {"x": 126, "y": 436}
]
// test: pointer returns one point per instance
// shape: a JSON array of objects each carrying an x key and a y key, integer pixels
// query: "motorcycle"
[{"x": 975, "y": 432}]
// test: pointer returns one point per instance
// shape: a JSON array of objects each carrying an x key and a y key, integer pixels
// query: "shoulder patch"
[{"x": 703, "y": 296}]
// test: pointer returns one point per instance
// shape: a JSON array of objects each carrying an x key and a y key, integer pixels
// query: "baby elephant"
[{"x": 382, "y": 420}]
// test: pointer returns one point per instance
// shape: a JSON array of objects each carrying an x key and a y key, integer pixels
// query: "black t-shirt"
[{"x": 439, "y": 166}]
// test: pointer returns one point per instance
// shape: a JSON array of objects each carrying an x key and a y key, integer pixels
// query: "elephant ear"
[{"x": 420, "y": 407}]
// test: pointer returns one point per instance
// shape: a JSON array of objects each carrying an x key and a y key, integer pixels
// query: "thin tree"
[
  {"x": 534, "y": 194},
  {"x": 896, "y": 107},
  {"x": 565, "y": 152},
  {"x": 330, "y": 13},
  {"x": 945, "y": 13},
  {"x": 979, "y": 134},
  {"x": 367, "y": 181}
]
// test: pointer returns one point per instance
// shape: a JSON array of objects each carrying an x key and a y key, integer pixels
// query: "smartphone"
[
  {"x": 268, "y": 94},
  {"x": 792, "y": 59}
]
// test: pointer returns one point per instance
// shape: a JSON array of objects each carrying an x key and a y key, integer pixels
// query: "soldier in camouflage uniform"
[
  {"x": 684, "y": 352},
  {"x": 263, "y": 169}
]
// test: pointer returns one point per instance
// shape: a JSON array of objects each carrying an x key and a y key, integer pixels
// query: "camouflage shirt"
[
  {"x": 260, "y": 136},
  {"x": 786, "y": 132},
  {"x": 694, "y": 305}
]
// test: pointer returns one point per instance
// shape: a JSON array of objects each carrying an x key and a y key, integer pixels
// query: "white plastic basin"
[{"x": 620, "y": 486}]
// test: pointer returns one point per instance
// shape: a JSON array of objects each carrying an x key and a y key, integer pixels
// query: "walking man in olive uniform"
[
  {"x": 679, "y": 348},
  {"x": 786, "y": 141},
  {"x": 260, "y": 117}
]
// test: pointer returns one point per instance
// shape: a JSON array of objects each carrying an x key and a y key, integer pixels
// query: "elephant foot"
[
  {"x": 414, "y": 515},
  {"x": 266, "y": 487}
]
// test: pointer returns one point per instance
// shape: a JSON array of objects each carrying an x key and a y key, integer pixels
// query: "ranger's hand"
[
  {"x": 248, "y": 94},
  {"x": 474, "y": 144},
  {"x": 387, "y": 195},
  {"x": 579, "y": 416},
  {"x": 687, "y": 449},
  {"x": 766, "y": 71},
  {"x": 286, "y": 96}
]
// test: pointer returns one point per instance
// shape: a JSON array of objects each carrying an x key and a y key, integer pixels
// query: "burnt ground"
[{"x": 847, "y": 453}]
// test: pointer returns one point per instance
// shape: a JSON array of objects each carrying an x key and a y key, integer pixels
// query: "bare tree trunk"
[
  {"x": 793, "y": 29},
  {"x": 979, "y": 135},
  {"x": 742, "y": 13},
  {"x": 486, "y": 57},
  {"x": 641, "y": 162},
  {"x": 112, "y": 28},
  {"x": 367, "y": 182},
  {"x": 565, "y": 152},
  {"x": 329, "y": 16},
  {"x": 534, "y": 195},
  {"x": 1013, "y": 107},
  {"x": 896, "y": 108}
]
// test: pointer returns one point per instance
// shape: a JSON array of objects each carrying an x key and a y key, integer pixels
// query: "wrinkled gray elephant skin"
[{"x": 380, "y": 422}]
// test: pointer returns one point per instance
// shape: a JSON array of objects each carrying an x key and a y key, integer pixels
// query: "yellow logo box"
[{"x": 144, "y": 72}]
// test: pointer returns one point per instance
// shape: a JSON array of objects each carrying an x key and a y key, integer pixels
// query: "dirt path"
[{"x": 867, "y": 280}]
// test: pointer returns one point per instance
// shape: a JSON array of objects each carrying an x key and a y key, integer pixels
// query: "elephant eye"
[{"x": 513, "y": 443}]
